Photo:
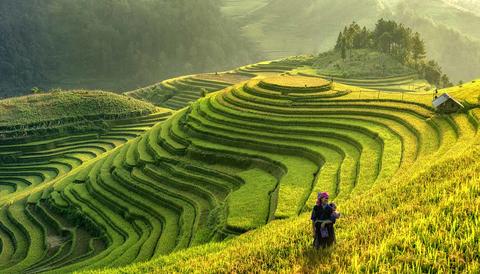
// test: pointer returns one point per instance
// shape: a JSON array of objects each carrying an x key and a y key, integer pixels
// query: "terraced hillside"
[
  {"x": 61, "y": 112},
  {"x": 468, "y": 92},
  {"x": 268, "y": 68},
  {"x": 178, "y": 92},
  {"x": 401, "y": 83},
  {"x": 395, "y": 167},
  {"x": 230, "y": 162},
  {"x": 85, "y": 126},
  {"x": 368, "y": 69}
]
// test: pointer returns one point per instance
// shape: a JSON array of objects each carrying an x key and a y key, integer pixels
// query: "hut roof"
[{"x": 444, "y": 98}]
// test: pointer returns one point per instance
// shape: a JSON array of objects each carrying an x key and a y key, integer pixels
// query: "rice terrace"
[{"x": 227, "y": 171}]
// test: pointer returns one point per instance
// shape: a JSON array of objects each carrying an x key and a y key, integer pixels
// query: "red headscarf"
[{"x": 320, "y": 196}]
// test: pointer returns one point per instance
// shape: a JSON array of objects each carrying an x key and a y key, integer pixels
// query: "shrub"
[{"x": 35, "y": 90}]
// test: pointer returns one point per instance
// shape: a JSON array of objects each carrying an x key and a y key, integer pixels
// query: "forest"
[
  {"x": 113, "y": 45},
  {"x": 397, "y": 40}
]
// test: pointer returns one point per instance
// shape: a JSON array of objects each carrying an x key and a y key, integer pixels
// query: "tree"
[
  {"x": 338, "y": 45},
  {"x": 433, "y": 72},
  {"x": 57, "y": 41},
  {"x": 203, "y": 92},
  {"x": 385, "y": 42},
  {"x": 396, "y": 40},
  {"x": 445, "y": 82},
  {"x": 418, "y": 48},
  {"x": 364, "y": 38},
  {"x": 35, "y": 90},
  {"x": 344, "y": 48}
]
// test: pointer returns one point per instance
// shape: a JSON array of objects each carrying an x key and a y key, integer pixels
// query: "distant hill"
[
  {"x": 470, "y": 5},
  {"x": 113, "y": 45},
  {"x": 241, "y": 8},
  {"x": 285, "y": 27}
]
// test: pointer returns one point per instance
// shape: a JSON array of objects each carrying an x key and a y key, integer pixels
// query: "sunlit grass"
[{"x": 423, "y": 221}]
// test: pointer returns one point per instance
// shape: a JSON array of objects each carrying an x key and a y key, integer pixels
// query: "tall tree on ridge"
[
  {"x": 433, "y": 72},
  {"x": 418, "y": 49},
  {"x": 338, "y": 45},
  {"x": 343, "y": 47}
]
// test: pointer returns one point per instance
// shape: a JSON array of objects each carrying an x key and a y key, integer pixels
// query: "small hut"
[{"x": 446, "y": 104}]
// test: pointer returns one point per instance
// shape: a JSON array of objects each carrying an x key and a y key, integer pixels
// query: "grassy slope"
[
  {"x": 359, "y": 64},
  {"x": 468, "y": 92},
  {"x": 51, "y": 106},
  {"x": 367, "y": 69},
  {"x": 424, "y": 219},
  {"x": 385, "y": 229}
]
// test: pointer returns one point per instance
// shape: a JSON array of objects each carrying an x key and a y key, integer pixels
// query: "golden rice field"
[{"x": 226, "y": 182}]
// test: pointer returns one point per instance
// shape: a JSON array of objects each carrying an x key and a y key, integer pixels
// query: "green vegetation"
[
  {"x": 249, "y": 207},
  {"x": 151, "y": 191},
  {"x": 178, "y": 92},
  {"x": 42, "y": 230},
  {"x": 174, "y": 193},
  {"x": 367, "y": 69},
  {"x": 395, "y": 40},
  {"x": 361, "y": 64},
  {"x": 241, "y": 8},
  {"x": 65, "y": 111},
  {"x": 113, "y": 45},
  {"x": 426, "y": 222},
  {"x": 283, "y": 28},
  {"x": 361, "y": 147}
]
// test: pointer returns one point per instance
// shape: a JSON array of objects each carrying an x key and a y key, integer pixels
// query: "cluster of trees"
[
  {"x": 396, "y": 40},
  {"x": 113, "y": 44}
]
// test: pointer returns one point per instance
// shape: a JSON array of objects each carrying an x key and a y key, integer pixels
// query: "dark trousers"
[{"x": 322, "y": 240}]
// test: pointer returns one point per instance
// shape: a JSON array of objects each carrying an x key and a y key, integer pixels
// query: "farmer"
[{"x": 323, "y": 218}]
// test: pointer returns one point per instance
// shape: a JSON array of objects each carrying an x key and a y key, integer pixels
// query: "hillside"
[
  {"x": 431, "y": 161},
  {"x": 238, "y": 9},
  {"x": 34, "y": 234},
  {"x": 360, "y": 64},
  {"x": 148, "y": 186},
  {"x": 179, "y": 92},
  {"x": 51, "y": 106},
  {"x": 470, "y": 5},
  {"x": 275, "y": 28},
  {"x": 455, "y": 52},
  {"x": 464, "y": 20},
  {"x": 450, "y": 32},
  {"x": 468, "y": 92},
  {"x": 385, "y": 229},
  {"x": 113, "y": 45},
  {"x": 65, "y": 111}
]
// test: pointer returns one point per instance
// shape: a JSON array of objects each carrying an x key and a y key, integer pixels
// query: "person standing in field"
[{"x": 323, "y": 217}]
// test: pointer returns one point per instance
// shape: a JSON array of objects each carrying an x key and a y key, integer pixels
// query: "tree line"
[
  {"x": 396, "y": 40},
  {"x": 113, "y": 44}
]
